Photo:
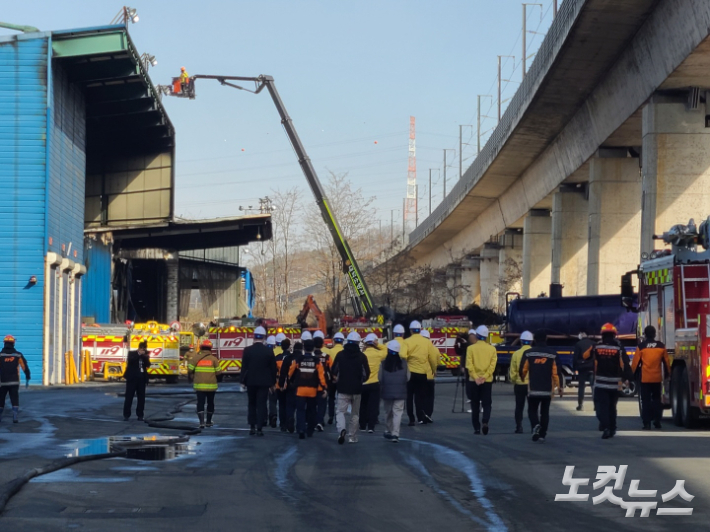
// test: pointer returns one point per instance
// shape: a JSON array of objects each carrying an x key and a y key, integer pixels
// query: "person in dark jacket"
[
  {"x": 393, "y": 376},
  {"x": 350, "y": 370},
  {"x": 611, "y": 366},
  {"x": 583, "y": 366},
  {"x": 11, "y": 362},
  {"x": 539, "y": 365},
  {"x": 136, "y": 375},
  {"x": 285, "y": 346},
  {"x": 259, "y": 376},
  {"x": 321, "y": 353}
]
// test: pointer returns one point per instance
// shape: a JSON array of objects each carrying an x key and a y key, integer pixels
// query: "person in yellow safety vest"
[
  {"x": 370, "y": 397},
  {"x": 204, "y": 370},
  {"x": 520, "y": 385},
  {"x": 184, "y": 76},
  {"x": 418, "y": 351},
  {"x": 481, "y": 360},
  {"x": 434, "y": 361},
  {"x": 399, "y": 338},
  {"x": 338, "y": 340}
]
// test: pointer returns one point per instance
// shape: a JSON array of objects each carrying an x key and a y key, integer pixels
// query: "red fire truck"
[
  {"x": 674, "y": 297},
  {"x": 229, "y": 342},
  {"x": 443, "y": 331},
  {"x": 362, "y": 326}
]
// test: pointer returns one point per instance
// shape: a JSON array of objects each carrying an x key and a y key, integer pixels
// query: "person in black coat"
[
  {"x": 350, "y": 370},
  {"x": 259, "y": 376},
  {"x": 136, "y": 375}
]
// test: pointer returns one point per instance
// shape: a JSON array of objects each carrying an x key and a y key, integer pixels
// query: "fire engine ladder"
[{"x": 688, "y": 288}]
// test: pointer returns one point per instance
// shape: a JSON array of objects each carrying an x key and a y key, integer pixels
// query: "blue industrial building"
[{"x": 87, "y": 179}]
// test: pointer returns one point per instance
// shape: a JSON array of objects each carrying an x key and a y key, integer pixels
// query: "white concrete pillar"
[
  {"x": 614, "y": 219},
  {"x": 676, "y": 167},
  {"x": 510, "y": 265},
  {"x": 470, "y": 282},
  {"x": 537, "y": 253},
  {"x": 489, "y": 277},
  {"x": 570, "y": 229}
]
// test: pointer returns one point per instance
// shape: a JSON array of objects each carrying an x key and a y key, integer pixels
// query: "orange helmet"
[
  {"x": 609, "y": 328},
  {"x": 206, "y": 344},
  {"x": 9, "y": 339},
  {"x": 182, "y": 68}
]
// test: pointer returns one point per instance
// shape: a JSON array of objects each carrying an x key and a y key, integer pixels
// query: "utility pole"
[
  {"x": 525, "y": 34},
  {"x": 478, "y": 123},
  {"x": 445, "y": 150},
  {"x": 429, "y": 191},
  {"x": 500, "y": 80}
]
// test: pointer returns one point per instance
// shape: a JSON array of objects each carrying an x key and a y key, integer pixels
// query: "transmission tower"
[{"x": 410, "y": 211}]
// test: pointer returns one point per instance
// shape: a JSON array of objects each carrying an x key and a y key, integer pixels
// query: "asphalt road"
[{"x": 439, "y": 476}]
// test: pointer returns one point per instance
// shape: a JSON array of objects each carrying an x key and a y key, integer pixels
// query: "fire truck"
[
  {"x": 362, "y": 326},
  {"x": 108, "y": 347},
  {"x": 443, "y": 331},
  {"x": 229, "y": 340},
  {"x": 674, "y": 297}
]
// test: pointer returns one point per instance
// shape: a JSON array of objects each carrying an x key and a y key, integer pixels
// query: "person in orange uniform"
[
  {"x": 539, "y": 367},
  {"x": 11, "y": 362},
  {"x": 652, "y": 357},
  {"x": 308, "y": 377}
]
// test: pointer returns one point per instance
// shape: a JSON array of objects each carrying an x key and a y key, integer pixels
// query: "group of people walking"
[{"x": 296, "y": 386}]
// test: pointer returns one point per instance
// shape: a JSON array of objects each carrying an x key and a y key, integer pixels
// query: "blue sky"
[{"x": 350, "y": 74}]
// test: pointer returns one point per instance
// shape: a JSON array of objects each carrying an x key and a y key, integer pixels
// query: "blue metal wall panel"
[
  {"x": 67, "y": 167},
  {"x": 96, "y": 284},
  {"x": 23, "y": 133}
]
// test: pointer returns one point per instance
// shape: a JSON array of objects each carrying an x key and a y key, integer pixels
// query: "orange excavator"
[{"x": 309, "y": 306}]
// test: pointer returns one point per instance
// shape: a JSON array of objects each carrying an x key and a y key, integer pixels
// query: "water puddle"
[{"x": 151, "y": 447}]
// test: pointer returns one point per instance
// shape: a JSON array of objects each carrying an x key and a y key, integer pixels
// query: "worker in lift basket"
[
  {"x": 11, "y": 362},
  {"x": 184, "y": 77}
]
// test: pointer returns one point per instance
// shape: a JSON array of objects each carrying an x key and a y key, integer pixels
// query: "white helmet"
[
  {"x": 306, "y": 335},
  {"x": 527, "y": 336},
  {"x": 393, "y": 346},
  {"x": 415, "y": 325},
  {"x": 259, "y": 332},
  {"x": 338, "y": 337},
  {"x": 280, "y": 337},
  {"x": 472, "y": 332},
  {"x": 318, "y": 334},
  {"x": 425, "y": 333},
  {"x": 482, "y": 332},
  {"x": 371, "y": 338},
  {"x": 398, "y": 329},
  {"x": 354, "y": 337},
  {"x": 271, "y": 340}
]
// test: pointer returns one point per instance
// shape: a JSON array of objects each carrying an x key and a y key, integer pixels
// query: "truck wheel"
[
  {"x": 690, "y": 414},
  {"x": 172, "y": 379},
  {"x": 455, "y": 372},
  {"x": 676, "y": 396}
]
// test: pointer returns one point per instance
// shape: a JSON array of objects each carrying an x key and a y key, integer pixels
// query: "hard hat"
[
  {"x": 318, "y": 334},
  {"x": 609, "y": 328},
  {"x": 338, "y": 337},
  {"x": 280, "y": 337},
  {"x": 472, "y": 332},
  {"x": 527, "y": 336},
  {"x": 393, "y": 346},
  {"x": 9, "y": 339},
  {"x": 482, "y": 332},
  {"x": 399, "y": 329},
  {"x": 259, "y": 332},
  {"x": 371, "y": 338},
  {"x": 182, "y": 68},
  {"x": 205, "y": 344},
  {"x": 425, "y": 333},
  {"x": 306, "y": 335},
  {"x": 354, "y": 337},
  {"x": 415, "y": 326},
  {"x": 271, "y": 340}
]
